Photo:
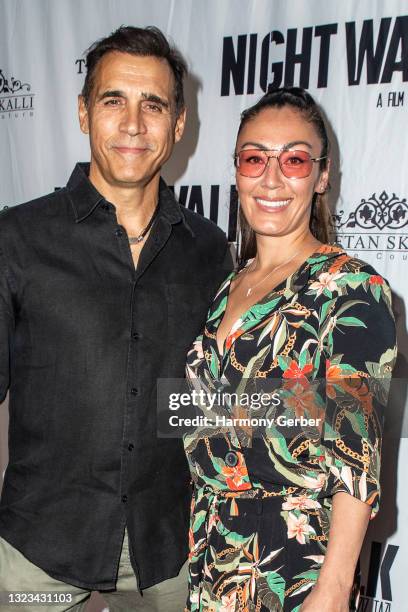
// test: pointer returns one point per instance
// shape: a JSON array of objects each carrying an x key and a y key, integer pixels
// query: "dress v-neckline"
[
  {"x": 321, "y": 251},
  {"x": 243, "y": 316}
]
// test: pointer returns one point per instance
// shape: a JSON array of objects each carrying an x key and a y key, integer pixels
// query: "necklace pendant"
[
  {"x": 140, "y": 237},
  {"x": 249, "y": 291},
  {"x": 135, "y": 239}
]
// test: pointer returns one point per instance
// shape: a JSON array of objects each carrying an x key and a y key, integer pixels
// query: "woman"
[{"x": 279, "y": 513}]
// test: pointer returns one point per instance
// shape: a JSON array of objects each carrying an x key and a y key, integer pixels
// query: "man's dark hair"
[{"x": 148, "y": 41}]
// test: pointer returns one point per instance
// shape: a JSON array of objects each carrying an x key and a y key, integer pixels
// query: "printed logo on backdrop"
[
  {"x": 375, "y": 51},
  {"x": 379, "y": 573},
  {"x": 81, "y": 65},
  {"x": 16, "y": 98},
  {"x": 195, "y": 198},
  {"x": 378, "y": 224}
]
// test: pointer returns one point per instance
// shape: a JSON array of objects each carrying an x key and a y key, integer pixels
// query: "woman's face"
[{"x": 273, "y": 204}]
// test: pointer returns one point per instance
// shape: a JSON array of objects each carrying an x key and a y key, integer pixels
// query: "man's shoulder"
[
  {"x": 203, "y": 227},
  {"x": 22, "y": 213}
]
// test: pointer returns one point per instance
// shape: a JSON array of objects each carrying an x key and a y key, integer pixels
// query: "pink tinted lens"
[
  {"x": 295, "y": 164},
  {"x": 251, "y": 162}
]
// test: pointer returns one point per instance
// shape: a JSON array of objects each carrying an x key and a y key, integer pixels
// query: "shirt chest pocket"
[{"x": 187, "y": 306}]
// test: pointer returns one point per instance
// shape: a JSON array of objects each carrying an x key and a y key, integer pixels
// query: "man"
[{"x": 104, "y": 285}]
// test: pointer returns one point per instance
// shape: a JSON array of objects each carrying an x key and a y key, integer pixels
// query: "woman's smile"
[{"x": 273, "y": 205}]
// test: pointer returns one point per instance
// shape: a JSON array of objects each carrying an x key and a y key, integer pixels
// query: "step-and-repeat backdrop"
[{"x": 352, "y": 55}]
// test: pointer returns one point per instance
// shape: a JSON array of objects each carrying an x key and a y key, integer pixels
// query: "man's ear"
[
  {"x": 83, "y": 115},
  {"x": 180, "y": 124}
]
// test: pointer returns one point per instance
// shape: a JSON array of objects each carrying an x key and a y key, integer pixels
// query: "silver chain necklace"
[
  {"x": 250, "y": 289},
  {"x": 139, "y": 238}
]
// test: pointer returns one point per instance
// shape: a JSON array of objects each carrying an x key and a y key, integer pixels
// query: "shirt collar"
[{"x": 85, "y": 197}]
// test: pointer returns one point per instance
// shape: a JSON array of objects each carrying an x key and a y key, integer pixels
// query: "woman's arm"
[
  {"x": 360, "y": 350},
  {"x": 349, "y": 521}
]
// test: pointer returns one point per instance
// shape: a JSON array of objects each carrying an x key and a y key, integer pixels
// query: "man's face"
[{"x": 131, "y": 119}]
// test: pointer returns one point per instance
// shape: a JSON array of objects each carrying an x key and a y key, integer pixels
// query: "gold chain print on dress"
[{"x": 262, "y": 503}]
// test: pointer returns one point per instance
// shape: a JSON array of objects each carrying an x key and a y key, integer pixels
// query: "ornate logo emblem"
[
  {"x": 12, "y": 86},
  {"x": 379, "y": 212},
  {"x": 16, "y": 98}
]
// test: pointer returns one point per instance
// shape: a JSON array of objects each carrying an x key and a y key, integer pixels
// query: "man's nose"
[
  {"x": 132, "y": 121},
  {"x": 272, "y": 176}
]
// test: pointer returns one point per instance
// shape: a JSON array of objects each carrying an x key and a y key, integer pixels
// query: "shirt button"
[
  {"x": 124, "y": 498},
  {"x": 119, "y": 233},
  {"x": 231, "y": 459},
  {"x": 131, "y": 447},
  {"x": 134, "y": 391},
  {"x": 135, "y": 335}
]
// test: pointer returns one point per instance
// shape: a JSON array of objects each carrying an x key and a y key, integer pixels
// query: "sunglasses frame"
[{"x": 277, "y": 157}]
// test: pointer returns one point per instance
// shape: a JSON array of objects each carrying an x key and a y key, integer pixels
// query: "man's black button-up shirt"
[{"x": 83, "y": 338}]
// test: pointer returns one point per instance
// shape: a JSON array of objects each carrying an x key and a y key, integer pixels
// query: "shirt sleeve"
[
  {"x": 6, "y": 326},
  {"x": 361, "y": 352}
]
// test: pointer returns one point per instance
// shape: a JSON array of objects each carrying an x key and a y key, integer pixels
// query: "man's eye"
[
  {"x": 155, "y": 108},
  {"x": 112, "y": 102}
]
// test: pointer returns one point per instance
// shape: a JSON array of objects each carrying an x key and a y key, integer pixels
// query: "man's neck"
[{"x": 134, "y": 205}]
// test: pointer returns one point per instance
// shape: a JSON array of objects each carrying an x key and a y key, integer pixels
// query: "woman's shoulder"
[
  {"x": 335, "y": 262},
  {"x": 340, "y": 260},
  {"x": 335, "y": 273}
]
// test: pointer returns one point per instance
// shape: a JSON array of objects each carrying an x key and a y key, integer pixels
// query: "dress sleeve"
[
  {"x": 360, "y": 348},
  {"x": 6, "y": 326}
]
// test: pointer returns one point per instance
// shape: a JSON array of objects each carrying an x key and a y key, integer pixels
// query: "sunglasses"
[{"x": 293, "y": 164}]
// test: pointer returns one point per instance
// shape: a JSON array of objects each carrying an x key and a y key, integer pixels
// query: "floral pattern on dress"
[{"x": 260, "y": 514}]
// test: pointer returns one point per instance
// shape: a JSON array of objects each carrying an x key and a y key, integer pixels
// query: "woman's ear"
[{"x": 323, "y": 180}]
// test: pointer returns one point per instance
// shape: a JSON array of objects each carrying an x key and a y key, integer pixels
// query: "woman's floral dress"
[{"x": 261, "y": 506}]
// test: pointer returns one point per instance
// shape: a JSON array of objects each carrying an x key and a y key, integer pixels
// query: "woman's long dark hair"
[{"x": 301, "y": 101}]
